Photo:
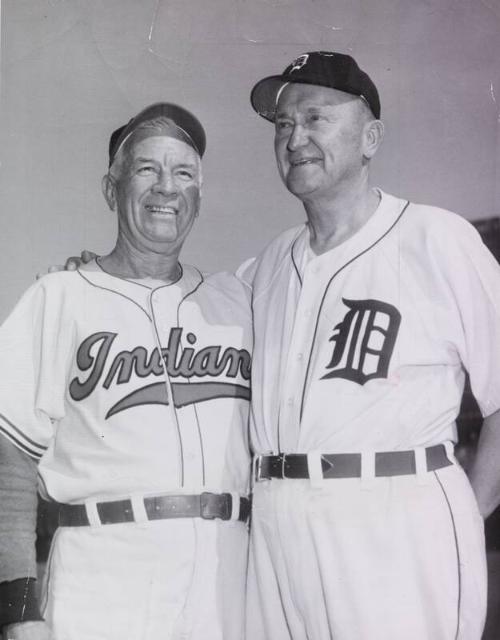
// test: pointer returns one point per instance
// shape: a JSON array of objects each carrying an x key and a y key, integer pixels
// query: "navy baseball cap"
[
  {"x": 324, "y": 68},
  {"x": 189, "y": 128}
]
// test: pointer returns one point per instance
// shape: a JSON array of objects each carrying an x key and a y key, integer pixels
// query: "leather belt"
[
  {"x": 348, "y": 465},
  {"x": 205, "y": 505}
]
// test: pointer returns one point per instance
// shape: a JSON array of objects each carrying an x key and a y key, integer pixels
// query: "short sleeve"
[
  {"x": 31, "y": 365},
  {"x": 474, "y": 277}
]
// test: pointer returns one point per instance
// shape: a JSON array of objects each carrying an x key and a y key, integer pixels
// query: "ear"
[
  {"x": 198, "y": 204},
  {"x": 374, "y": 134},
  {"x": 108, "y": 186}
]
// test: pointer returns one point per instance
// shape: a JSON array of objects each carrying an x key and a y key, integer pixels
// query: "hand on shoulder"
[{"x": 71, "y": 264}]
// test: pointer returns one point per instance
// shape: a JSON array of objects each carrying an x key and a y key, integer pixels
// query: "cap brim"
[
  {"x": 266, "y": 93},
  {"x": 181, "y": 117},
  {"x": 264, "y": 96}
]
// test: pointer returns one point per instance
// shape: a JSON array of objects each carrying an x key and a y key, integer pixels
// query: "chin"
[
  {"x": 299, "y": 188},
  {"x": 160, "y": 238}
]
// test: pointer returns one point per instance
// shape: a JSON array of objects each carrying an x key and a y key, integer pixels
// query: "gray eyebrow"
[
  {"x": 144, "y": 159},
  {"x": 310, "y": 109},
  {"x": 190, "y": 165}
]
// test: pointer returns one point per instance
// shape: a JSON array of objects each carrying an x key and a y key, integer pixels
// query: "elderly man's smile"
[
  {"x": 162, "y": 210},
  {"x": 300, "y": 162}
]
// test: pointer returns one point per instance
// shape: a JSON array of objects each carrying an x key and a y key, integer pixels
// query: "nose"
[
  {"x": 165, "y": 184},
  {"x": 297, "y": 139}
]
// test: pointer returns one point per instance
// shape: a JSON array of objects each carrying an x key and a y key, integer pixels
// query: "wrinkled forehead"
[{"x": 299, "y": 97}]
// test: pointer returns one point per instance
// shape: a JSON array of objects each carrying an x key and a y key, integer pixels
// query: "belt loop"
[
  {"x": 256, "y": 466},
  {"x": 367, "y": 469},
  {"x": 235, "y": 505},
  {"x": 138, "y": 508},
  {"x": 421, "y": 465},
  {"x": 92, "y": 513},
  {"x": 315, "y": 469},
  {"x": 449, "y": 448}
]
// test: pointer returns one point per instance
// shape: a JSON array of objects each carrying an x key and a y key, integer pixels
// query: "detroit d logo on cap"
[
  {"x": 299, "y": 62},
  {"x": 364, "y": 341}
]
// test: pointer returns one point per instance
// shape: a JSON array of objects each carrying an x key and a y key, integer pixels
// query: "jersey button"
[
  {"x": 300, "y": 356},
  {"x": 308, "y": 313},
  {"x": 289, "y": 402}
]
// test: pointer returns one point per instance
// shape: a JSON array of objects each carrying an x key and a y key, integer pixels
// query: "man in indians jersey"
[
  {"x": 365, "y": 319},
  {"x": 125, "y": 386}
]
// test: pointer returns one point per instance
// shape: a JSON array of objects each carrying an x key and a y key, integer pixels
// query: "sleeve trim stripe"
[
  {"x": 22, "y": 435},
  {"x": 19, "y": 445}
]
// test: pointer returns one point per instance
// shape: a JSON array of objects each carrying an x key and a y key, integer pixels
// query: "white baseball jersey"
[
  {"x": 382, "y": 325},
  {"x": 363, "y": 349},
  {"x": 124, "y": 389}
]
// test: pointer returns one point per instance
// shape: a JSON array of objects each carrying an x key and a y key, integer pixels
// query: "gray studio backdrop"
[{"x": 73, "y": 70}]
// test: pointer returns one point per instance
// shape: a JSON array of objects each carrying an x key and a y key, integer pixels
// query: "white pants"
[
  {"x": 397, "y": 558},
  {"x": 163, "y": 580}
]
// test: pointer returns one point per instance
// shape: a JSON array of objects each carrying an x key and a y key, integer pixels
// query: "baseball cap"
[
  {"x": 324, "y": 68},
  {"x": 189, "y": 128}
]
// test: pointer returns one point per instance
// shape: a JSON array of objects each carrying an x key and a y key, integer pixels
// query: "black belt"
[
  {"x": 348, "y": 465},
  {"x": 205, "y": 505}
]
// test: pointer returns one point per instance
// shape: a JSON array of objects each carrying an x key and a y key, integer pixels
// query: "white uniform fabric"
[
  {"x": 85, "y": 391},
  {"x": 363, "y": 349}
]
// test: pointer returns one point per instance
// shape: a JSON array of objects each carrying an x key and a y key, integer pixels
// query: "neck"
[
  {"x": 126, "y": 261},
  {"x": 334, "y": 219}
]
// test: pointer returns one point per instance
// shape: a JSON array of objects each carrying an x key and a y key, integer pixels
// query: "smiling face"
[
  {"x": 320, "y": 139},
  {"x": 156, "y": 191}
]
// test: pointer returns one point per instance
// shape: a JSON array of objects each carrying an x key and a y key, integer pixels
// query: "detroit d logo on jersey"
[{"x": 364, "y": 341}]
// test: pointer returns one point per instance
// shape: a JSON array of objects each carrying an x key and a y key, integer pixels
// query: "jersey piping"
[
  {"x": 141, "y": 284},
  {"x": 361, "y": 253},
  {"x": 202, "y": 449},
  {"x": 459, "y": 577},
  {"x": 295, "y": 266},
  {"x": 118, "y": 293}
]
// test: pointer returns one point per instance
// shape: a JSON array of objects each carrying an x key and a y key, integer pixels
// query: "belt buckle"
[
  {"x": 257, "y": 468},
  {"x": 215, "y": 505},
  {"x": 282, "y": 456}
]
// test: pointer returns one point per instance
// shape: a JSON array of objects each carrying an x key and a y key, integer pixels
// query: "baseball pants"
[
  {"x": 163, "y": 580},
  {"x": 389, "y": 558}
]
